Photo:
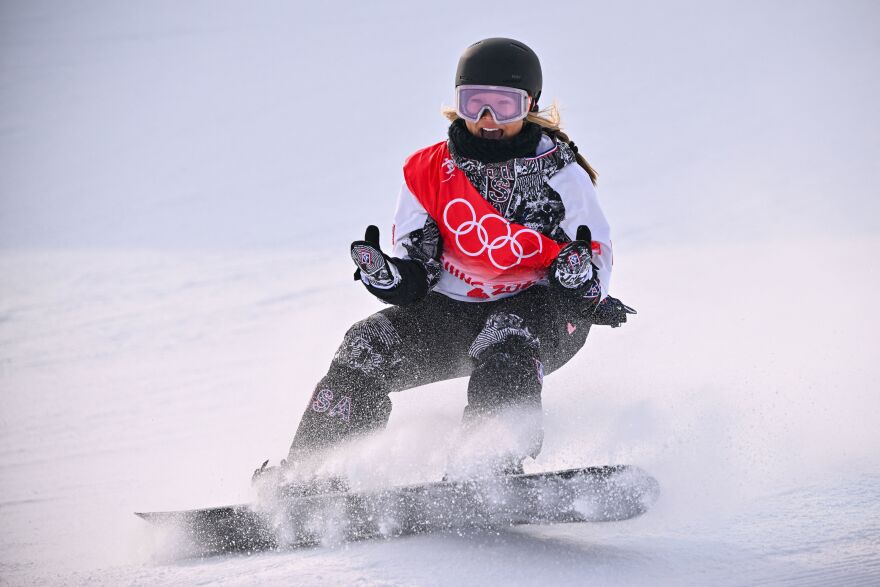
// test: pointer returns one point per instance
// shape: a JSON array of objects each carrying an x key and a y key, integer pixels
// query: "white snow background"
[{"x": 179, "y": 183}]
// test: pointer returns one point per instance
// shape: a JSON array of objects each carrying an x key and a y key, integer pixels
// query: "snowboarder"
[{"x": 501, "y": 263}]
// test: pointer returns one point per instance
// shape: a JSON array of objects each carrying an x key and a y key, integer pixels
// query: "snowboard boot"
[
  {"x": 313, "y": 486},
  {"x": 287, "y": 480},
  {"x": 511, "y": 467}
]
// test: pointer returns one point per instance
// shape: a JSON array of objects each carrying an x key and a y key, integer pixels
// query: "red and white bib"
[{"x": 493, "y": 257}]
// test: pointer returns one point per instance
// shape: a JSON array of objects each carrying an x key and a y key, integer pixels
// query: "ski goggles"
[{"x": 506, "y": 104}]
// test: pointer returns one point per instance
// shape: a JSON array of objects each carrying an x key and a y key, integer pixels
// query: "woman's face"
[{"x": 487, "y": 128}]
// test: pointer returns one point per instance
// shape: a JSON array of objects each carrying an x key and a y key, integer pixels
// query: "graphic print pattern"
[
  {"x": 575, "y": 265},
  {"x": 518, "y": 188},
  {"x": 500, "y": 327},
  {"x": 374, "y": 268},
  {"x": 369, "y": 345},
  {"x": 424, "y": 246}
]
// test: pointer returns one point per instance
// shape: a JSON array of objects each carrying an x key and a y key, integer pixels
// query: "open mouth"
[{"x": 491, "y": 133}]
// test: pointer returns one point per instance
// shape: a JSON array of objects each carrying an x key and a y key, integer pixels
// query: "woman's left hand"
[{"x": 572, "y": 271}]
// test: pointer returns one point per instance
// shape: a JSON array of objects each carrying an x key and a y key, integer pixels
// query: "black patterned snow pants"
[{"x": 505, "y": 347}]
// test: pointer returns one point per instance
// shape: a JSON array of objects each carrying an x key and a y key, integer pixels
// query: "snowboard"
[{"x": 590, "y": 494}]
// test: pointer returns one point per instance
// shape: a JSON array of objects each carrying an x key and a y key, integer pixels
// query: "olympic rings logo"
[{"x": 509, "y": 240}]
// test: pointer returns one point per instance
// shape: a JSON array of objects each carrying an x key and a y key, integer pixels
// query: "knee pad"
[
  {"x": 503, "y": 329},
  {"x": 371, "y": 347}
]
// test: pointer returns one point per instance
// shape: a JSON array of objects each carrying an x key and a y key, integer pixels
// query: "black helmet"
[{"x": 501, "y": 62}]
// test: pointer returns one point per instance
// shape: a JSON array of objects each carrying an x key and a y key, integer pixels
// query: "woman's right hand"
[
  {"x": 392, "y": 280},
  {"x": 374, "y": 266}
]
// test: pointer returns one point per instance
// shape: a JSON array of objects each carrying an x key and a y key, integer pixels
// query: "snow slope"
[
  {"x": 141, "y": 381},
  {"x": 166, "y": 302}
]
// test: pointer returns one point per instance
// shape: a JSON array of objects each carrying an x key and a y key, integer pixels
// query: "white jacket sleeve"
[
  {"x": 415, "y": 236},
  {"x": 409, "y": 216},
  {"x": 581, "y": 202}
]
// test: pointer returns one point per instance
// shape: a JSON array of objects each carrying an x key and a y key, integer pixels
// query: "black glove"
[
  {"x": 611, "y": 312},
  {"x": 573, "y": 272},
  {"x": 394, "y": 281}
]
